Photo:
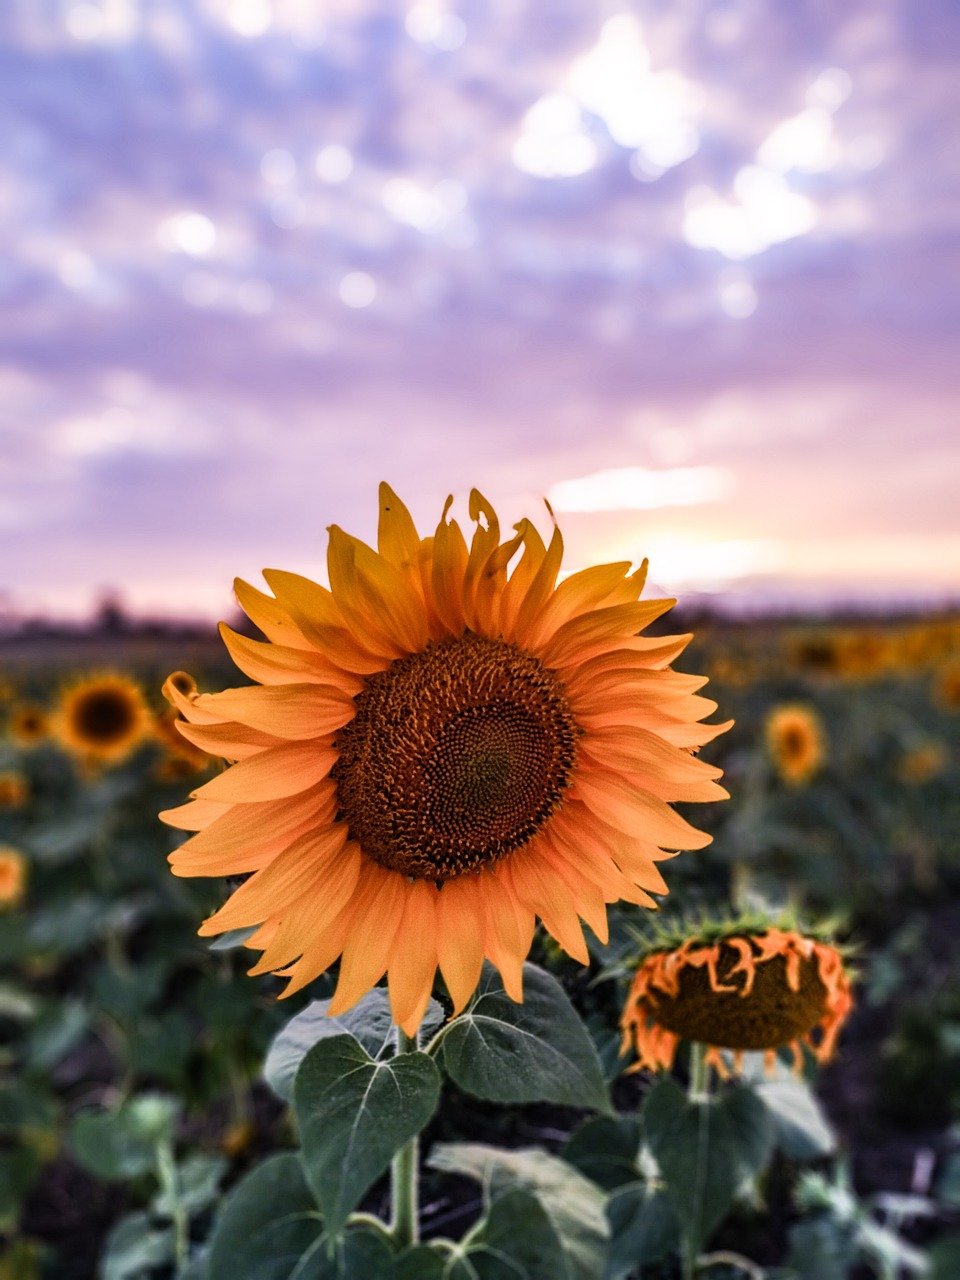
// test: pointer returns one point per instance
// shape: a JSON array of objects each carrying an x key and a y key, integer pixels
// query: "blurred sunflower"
[
  {"x": 28, "y": 725},
  {"x": 795, "y": 741},
  {"x": 13, "y": 876},
  {"x": 922, "y": 763},
  {"x": 740, "y": 987},
  {"x": 13, "y": 789},
  {"x": 441, "y": 752},
  {"x": 818, "y": 654},
  {"x": 103, "y": 717},
  {"x": 948, "y": 688}
]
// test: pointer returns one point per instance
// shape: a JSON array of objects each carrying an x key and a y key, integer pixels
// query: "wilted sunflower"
[
  {"x": 28, "y": 725},
  {"x": 442, "y": 751},
  {"x": 13, "y": 876},
  {"x": 103, "y": 717},
  {"x": 13, "y": 789},
  {"x": 795, "y": 741},
  {"x": 750, "y": 989}
]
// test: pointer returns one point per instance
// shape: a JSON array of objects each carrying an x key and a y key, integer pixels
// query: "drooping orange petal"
[
  {"x": 460, "y": 937},
  {"x": 636, "y": 812},
  {"x": 230, "y": 740},
  {"x": 306, "y": 922},
  {"x": 540, "y": 892},
  {"x": 294, "y": 711},
  {"x": 413, "y": 959},
  {"x": 271, "y": 890},
  {"x": 508, "y": 928},
  {"x": 271, "y": 775},
  {"x": 195, "y": 815},
  {"x": 367, "y": 950},
  {"x": 248, "y": 828}
]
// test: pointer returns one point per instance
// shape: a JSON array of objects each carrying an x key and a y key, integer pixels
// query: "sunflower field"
[{"x": 436, "y": 816}]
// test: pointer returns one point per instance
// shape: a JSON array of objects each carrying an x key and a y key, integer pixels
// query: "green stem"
[
  {"x": 698, "y": 1089},
  {"x": 403, "y": 1175},
  {"x": 167, "y": 1171}
]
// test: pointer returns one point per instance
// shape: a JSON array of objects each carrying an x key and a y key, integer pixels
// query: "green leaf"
[
  {"x": 822, "y": 1249},
  {"x": 55, "y": 1033},
  {"x": 643, "y": 1228},
  {"x": 707, "y": 1151},
  {"x": 135, "y": 1246},
  {"x": 123, "y": 1144},
  {"x": 574, "y": 1205},
  {"x": 515, "y": 1241},
  {"x": 198, "y": 1183},
  {"x": 19, "y": 1170},
  {"x": 354, "y": 1114},
  {"x": 369, "y": 1022},
  {"x": 269, "y": 1226},
  {"x": 538, "y": 1051},
  {"x": 422, "y": 1262},
  {"x": 945, "y": 1259},
  {"x": 605, "y": 1149},
  {"x": 803, "y": 1132}
]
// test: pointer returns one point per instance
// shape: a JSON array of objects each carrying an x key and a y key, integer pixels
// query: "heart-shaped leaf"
[
  {"x": 354, "y": 1114},
  {"x": 537, "y": 1051},
  {"x": 707, "y": 1151},
  {"x": 369, "y": 1021}
]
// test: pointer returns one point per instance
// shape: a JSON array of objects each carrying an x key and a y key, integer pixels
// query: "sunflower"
[
  {"x": 748, "y": 989},
  {"x": 795, "y": 741},
  {"x": 28, "y": 725},
  {"x": 948, "y": 688},
  {"x": 442, "y": 750},
  {"x": 13, "y": 876},
  {"x": 922, "y": 763},
  {"x": 13, "y": 789},
  {"x": 103, "y": 717}
]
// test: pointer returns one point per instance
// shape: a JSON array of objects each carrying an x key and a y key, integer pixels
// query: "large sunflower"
[{"x": 442, "y": 750}]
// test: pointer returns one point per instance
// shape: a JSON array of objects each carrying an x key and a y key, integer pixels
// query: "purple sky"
[{"x": 252, "y": 261}]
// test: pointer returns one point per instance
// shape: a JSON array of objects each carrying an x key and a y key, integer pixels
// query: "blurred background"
[
  {"x": 688, "y": 272},
  {"x": 687, "y": 269}
]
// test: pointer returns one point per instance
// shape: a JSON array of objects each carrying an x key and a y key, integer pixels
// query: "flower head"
[
  {"x": 13, "y": 789},
  {"x": 441, "y": 751},
  {"x": 103, "y": 717},
  {"x": 13, "y": 876},
  {"x": 948, "y": 687},
  {"x": 795, "y": 741},
  {"x": 28, "y": 725},
  {"x": 738, "y": 988}
]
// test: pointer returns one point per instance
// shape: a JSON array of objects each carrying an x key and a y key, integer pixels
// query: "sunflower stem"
[
  {"x": 698, "y": 1089},
  {"x": 404, "y": 1191}
]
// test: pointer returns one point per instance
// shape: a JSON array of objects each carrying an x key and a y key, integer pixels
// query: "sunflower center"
[
  {"x": 103, "y": 716},
  {"x": 455, "y": 757}
]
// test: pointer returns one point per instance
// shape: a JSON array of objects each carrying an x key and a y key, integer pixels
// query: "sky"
[{"x": 687, "y": 270}]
